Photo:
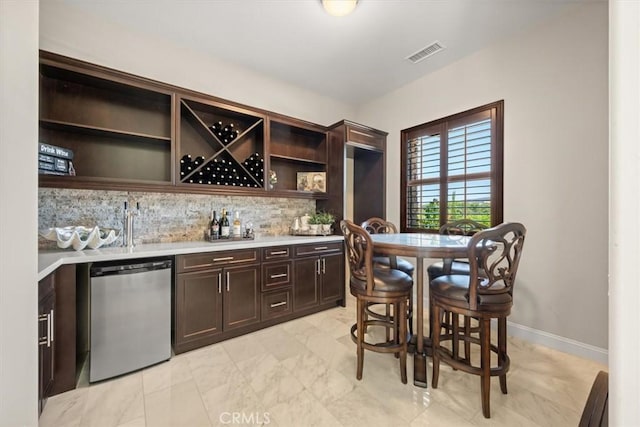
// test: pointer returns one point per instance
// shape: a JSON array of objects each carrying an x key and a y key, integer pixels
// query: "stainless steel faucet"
[{"x": 129, "y": 214}]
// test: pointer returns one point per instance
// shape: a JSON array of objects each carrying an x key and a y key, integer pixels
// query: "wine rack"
[{"x": 220, "y": 145}]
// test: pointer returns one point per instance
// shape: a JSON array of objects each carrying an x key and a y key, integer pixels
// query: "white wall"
[
  {"x": 18, "y": 213},
  {"x": 71, "y": 32},
  {"x": 624, "y": 239},
  {"x": 553, "y": 80}
]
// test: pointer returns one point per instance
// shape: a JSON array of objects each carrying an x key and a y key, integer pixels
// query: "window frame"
[{"x": 442, "y": 126}]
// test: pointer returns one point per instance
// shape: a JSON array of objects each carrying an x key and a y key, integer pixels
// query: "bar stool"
[
  {"x": 375, "y": 225},
  {"x": 486, "y": 293},
  {"x": 378, "y": 286}
]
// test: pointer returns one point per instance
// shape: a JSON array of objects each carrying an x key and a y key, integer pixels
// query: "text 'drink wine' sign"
[{"x": 54, "y": 160}]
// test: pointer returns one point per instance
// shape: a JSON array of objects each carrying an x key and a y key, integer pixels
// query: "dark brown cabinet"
[
  {"x": 277, "y": 280},
  {"x": 364, "y": 147},
  {"x": 215, "y": 293},
  {"x": 56, "y": 333},
  {"x": 119, "y": 130},
  {"x": 297, "y": 147},
  {"x": 220, "y": 145},
  {"x": 198, "y": 305},
  {"x": 241, "y": 297},
  {"x": 132, "y": 133},
  {"x": 46, "y": 338},
  {"x": 318, "y": 275}
]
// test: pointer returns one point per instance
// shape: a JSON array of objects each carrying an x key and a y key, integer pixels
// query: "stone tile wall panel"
[{"x": 164, "y": 217}]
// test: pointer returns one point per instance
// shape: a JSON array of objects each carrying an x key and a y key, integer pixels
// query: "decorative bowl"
[{"x": 79, "y": 237}]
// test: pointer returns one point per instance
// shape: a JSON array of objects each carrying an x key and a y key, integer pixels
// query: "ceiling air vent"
[{"x": 434, "y": 47}]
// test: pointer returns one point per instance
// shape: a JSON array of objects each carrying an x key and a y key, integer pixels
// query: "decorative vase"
[{"x": 314, "y": 228}]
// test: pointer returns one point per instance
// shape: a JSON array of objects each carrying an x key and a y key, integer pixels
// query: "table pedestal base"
[{"x": 420, "y": 370}]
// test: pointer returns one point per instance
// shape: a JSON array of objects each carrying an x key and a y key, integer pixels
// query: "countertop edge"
[{"x": 50, "y": 260}]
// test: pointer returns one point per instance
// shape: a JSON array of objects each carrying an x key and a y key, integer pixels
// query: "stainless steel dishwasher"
[{"x": 130, "y": 326}]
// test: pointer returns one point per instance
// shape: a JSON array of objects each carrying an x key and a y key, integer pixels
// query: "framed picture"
[{"x": 312, "y": 181}]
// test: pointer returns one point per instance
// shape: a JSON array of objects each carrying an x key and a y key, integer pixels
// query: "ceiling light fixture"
[{"x": 339, "y": 7}]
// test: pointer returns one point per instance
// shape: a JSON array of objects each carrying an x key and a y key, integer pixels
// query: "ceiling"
[{"x": 353, "y": 59}]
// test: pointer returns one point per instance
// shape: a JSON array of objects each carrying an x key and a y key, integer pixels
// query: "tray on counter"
[
  {"x": 309, "y": 233},
  {"x": 231, "y": 239}
]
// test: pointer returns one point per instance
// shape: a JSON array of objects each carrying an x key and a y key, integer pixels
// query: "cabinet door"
[
  {"x": 198, "y": 306},
  {"x": 241, "y": 296},
  {"x": 332, "y": 267},
  {"x": 46, "y": 349},
  {"x": 305, "y": 284}
]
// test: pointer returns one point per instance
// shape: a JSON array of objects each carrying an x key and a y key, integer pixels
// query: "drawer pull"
[
  {"x": 320, "y": 248},
  {"x": 279, "y": 253},
  {"x": 227, "y": 258},
  {"x": 277, "y": 304},
  {"x": 277, "y": 276}
]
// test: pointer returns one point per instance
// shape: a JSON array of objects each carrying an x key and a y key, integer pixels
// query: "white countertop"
[{"x": 49, "y": 260}]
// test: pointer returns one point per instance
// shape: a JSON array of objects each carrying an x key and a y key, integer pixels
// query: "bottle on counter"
[
  {"x": 214, "y": 227},
  {"x": 224, "y": 228},
  {"x": 237, "y": 225}
]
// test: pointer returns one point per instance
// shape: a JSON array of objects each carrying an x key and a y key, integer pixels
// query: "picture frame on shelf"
[{"x": 312, "y": 181}]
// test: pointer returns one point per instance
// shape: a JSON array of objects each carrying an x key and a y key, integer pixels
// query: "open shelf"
[
  {"x": 117, "y": 131},
  {"x": 297, "y": 147},
  {"x": 86, "y": 100}
]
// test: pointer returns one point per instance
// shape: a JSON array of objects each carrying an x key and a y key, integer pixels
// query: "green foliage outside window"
[{"x": 478, "y": 211}]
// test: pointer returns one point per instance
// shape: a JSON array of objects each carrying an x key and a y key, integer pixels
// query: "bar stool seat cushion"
[
  {"x": 456, "y": 288},
  {"x": 384, "y": 280}
]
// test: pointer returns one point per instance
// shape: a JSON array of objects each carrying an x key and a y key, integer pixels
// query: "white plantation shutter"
[{"x": 453, "y": 170}]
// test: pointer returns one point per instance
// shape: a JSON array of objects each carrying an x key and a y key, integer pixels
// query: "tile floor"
[{"x": 302, "y": 373}]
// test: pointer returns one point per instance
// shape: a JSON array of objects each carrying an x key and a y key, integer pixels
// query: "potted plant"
[
  {"x": 314, "y": 223},
  {"x": 326, "y": 220}
]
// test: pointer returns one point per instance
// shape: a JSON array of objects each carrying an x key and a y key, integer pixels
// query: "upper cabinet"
[
  {"x": 131, "y": 133},
  {"x": 220, "y": 146},
  {"x": 118, "y": 131},
  {"x": 298, "y": 154}
]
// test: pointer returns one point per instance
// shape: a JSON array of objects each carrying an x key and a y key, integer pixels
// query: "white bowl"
[{"x": 80, "y": 237}]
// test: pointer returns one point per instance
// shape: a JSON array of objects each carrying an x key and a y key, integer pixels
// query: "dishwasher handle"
[{"x": 138, "y": 266}]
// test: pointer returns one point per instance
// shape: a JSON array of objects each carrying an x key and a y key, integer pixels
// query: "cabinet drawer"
[
  {"x": 275, "y": 304},
  {"x": 365, "y": 137},
  {"x": 276, "y": 252},
  {"x": 276, "y": 275},
  {"x": 318, "y": 248},
  {"x": 216, "y": 259}
]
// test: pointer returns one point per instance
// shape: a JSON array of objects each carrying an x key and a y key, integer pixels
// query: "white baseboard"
[{"x": 559, "y": 343}]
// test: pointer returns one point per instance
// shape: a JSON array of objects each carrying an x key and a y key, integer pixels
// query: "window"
[{"x": 452, "y": 169}]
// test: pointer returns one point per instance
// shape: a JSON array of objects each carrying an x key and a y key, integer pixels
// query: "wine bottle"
[
  {"x": 237, "y": 226},
  {"x": 224, "y": 229},
  {"x": 214, "y": 227}
]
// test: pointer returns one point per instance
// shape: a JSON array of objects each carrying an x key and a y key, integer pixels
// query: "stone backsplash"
[{"x": 164, "y": 217}]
